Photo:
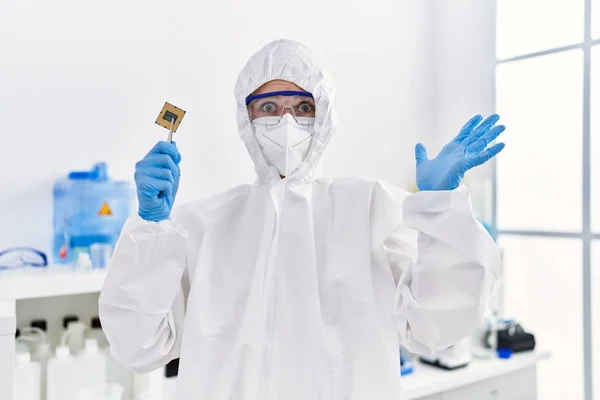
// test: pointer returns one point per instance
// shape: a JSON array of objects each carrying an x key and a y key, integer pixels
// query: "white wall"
[
  {"x": 463, "y": 54},
  {"x": 84, "y": 81}
]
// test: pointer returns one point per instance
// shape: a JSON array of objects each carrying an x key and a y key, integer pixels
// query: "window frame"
[{"x": 586, "y": 235}]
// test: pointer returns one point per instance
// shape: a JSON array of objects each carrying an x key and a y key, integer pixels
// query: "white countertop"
[
  {"x": 48, "y": 282},
  {"x": 427, "y": 380}
]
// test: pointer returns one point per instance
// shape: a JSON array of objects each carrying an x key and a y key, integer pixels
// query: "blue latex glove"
[
  {"x": 467, "y": 150},
  {"x": 157, "y": 180}
]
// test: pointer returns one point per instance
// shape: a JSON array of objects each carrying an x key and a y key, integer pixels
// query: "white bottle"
[
  {"x": 84, "y": 262},
  {"x": 62, "y": 375},
  {"x": 27, "y": 378},
  {"x": 170, "y": 388},
  {"x": 91, "y": 365},
  {"x": 75, "y": 336},
  {"x": 97, "y": 333},
  {"x": 42, "y": 354},
  {"x": 149, "y": 386},
  {"x": 40, "y": 348},
  {"x": 118, "y": 373},
  {"x": 21, "y": 343}
]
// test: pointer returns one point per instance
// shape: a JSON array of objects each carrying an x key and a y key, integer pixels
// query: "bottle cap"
[
  {"x": 90, "y": 345},
  {"x": 68, "y": 319},
  {"x": 62, "y": 351},
  {"x": 76, "y": 326},
  {"x": 22, "y": 358},
  {"x": 96, "y": 323},
  {"x": 39, "y": 323}
]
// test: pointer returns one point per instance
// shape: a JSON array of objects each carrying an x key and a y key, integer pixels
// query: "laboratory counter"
[{"x": 498, "y": 379}]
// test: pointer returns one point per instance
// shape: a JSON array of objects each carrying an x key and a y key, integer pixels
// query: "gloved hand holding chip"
[{"x": 157, "y": 174}]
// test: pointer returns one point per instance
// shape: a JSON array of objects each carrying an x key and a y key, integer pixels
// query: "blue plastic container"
[{"x": 89, "y": 208}]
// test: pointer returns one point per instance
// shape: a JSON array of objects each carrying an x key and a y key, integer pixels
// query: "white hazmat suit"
[{"x": 300, "y": 288}]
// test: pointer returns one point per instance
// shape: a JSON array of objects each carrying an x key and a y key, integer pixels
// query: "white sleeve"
[
  {"x": 142, "y": 303},
  {"x": 442, "y": 288}
]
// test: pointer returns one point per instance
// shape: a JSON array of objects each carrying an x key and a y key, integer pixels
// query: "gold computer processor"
[{"x": 170, "y": 113}]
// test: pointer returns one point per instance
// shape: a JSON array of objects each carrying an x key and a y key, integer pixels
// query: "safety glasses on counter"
[{"x": 18, "y": 257}]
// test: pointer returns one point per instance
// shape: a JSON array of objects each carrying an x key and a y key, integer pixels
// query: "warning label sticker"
[{"x": 105, "y": 210}]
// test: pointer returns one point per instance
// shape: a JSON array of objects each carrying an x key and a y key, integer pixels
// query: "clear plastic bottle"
[
  {"x": 91, "y": 364},
  {"x": 75, "y": 336},
  {"x": 84, "y": 262},
  {"x": 62, "y": 375},
  {"x": 27, "y": 378}
]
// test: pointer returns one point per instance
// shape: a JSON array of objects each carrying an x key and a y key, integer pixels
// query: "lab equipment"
[
  {"x": 67, "y": 319},
  {"x": 91, "y": 366},
  {"x": 41, "y": 350},
  {"x": 157, "y": 181},
  {"x": 484, "y": 343},
  {"x": 111, "y": 391},
  {"x": 149, "y": 386},
  {"x": 284, "y": 141},
  {"x": 39, "y": 323},
  {"x": 84, "y": 262},
  {"x": 73, "y": 336},
  {"x": 512, "y": 336},
  {"x": 89, "y": 208},
  {"x": 406, "y": 364},
  {"x": 504, "y": 353},
  {"x": 324, "y": 269},
  {"x": 19, "y": 257},
  {"x": 61, "y": 380},
  {"x": 97, "y": 333},
  {"x": 118, "y": 373},
  {"x": 170, "y": 117},
  {"x": 467, "y": 150},
  {"x": 21, "y": 345},
  {"x": 454, "y": 357},
  {"x": 100, "y": 254},
  {"x": 27, "y": 378},
  {"x": 115, "y": 371}
]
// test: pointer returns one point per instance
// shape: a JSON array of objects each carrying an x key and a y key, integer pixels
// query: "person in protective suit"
[{"x": 297, "y": 286}]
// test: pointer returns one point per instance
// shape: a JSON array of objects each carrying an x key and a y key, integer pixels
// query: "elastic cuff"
[{"x": 438, "y": 200}]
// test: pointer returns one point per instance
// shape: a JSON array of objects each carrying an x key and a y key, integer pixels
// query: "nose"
[{"x": 288, "y": 110}]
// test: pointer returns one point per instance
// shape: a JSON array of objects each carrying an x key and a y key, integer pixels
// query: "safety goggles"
[
  {"x": 18, "y": 257},
  {"x": 275, "y": 104}
]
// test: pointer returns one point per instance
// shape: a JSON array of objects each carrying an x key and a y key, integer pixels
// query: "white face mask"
[{"x": 284, "y": 141}]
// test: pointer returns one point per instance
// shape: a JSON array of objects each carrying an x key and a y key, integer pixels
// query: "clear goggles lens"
[{"x": 301, "y": 105}]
